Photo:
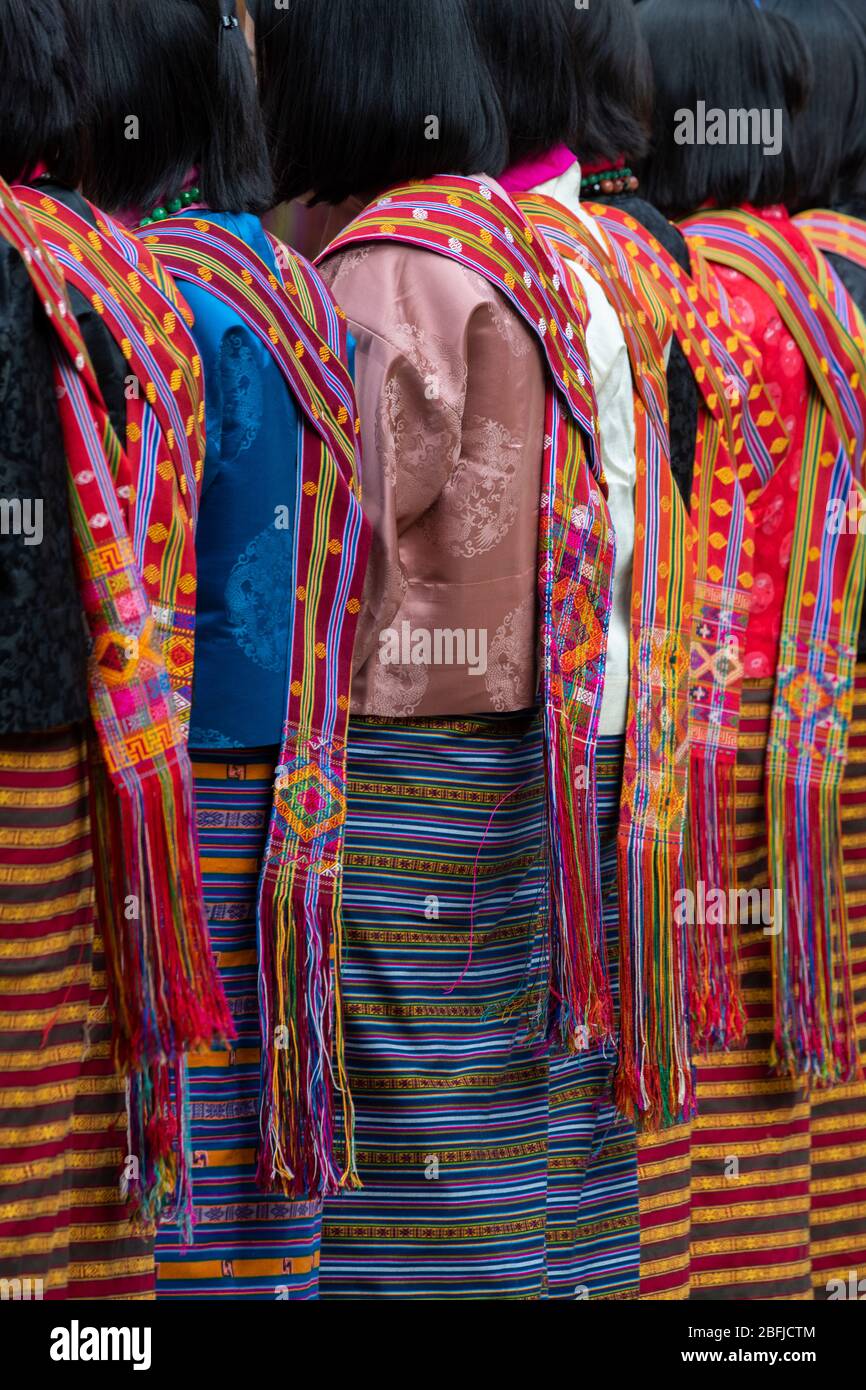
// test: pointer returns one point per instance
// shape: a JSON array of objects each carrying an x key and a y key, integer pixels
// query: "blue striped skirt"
[
  {"x": 246, "y": 1244},
  {"x": 489, "y": 1168}
]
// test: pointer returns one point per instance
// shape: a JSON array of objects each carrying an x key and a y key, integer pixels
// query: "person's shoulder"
[
  {"x": 17, "y": 294},
  {"x": 853, "y": 277},
  {"x": 415, "y": 263},
  {"x": 664, "y": 231},
  {"x": 10, "y": 258},
  {"x": 383, "y": 287},
  {"x": 246, "y": 226},
  {"x": 654, "y": 221}
]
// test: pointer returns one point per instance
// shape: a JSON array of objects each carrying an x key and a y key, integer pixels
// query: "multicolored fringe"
[
  {"x": 299, "y": 930},
  {"x": 247, "y": 1243},
  {"x": 165, "y": 991},
  {"x": 814, "y": 1024},
  {"x": 159, "y": 1138},
  {"x": 654, "y": 1080},
  {"x": 473, "y": 224}
]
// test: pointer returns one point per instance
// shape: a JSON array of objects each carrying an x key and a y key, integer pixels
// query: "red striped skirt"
[
  {"x": 65, "y": 1230},
  {"x": 763, "y": 1196}
]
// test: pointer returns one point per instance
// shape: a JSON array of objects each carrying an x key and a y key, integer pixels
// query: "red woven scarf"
[
  {"x": 165, "y": 990},
  {"x": 299, "y": 921}
]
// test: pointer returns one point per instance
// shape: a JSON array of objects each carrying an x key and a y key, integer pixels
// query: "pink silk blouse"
[{"x": 451, "y": 395}]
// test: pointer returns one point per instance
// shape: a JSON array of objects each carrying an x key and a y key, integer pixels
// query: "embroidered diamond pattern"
[
  {"x": 309, "y": 802},
  {"x": 805, "y": 695},
  {"x": 589, "y": 635}
]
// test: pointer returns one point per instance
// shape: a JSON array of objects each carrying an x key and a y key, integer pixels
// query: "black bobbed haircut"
[
  {"x": 852, "y": 169},
  {"x": 170, "y": 87},
  {"x": 40, "y": 90},
  {"x": 830, "y": 131},
  {"x": 362, "y": 94},
  {"x": 527, "y": 47},
  {"x": 612, "y": 63},
  {"x": 731, "y": 55}
]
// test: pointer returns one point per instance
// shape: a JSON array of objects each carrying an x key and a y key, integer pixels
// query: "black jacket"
[
  {"x": 42, "y": 639},
  {"x": 682, "y": 388}
]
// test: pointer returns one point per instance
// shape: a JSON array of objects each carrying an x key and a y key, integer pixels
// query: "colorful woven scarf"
[
  {"x": 739, "y": 443},
  {"x": 841, "y": 301},
  {"x": 835, "y": 232},
  {"x": 473, "y": 224},
  {"x": 815, "y": 1032},
  {"x": 299, "y": 922},
  {"x": 164, "y": 410},
  {"x": 166, "y": 994},
  {"x": 654, "y": 1077},
  {"x": 841, "y": 235}
]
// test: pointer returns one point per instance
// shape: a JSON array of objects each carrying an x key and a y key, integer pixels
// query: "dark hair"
[
  {"x": 611, "y": 61},
  {"x": 187, "y": 79},
  {"x": 852, "y": 179},
  {"x": 830, "y": 131},
  {"x": 730, "y": 55},
  {"x": 349, "y": 89},
  {"x": 39, "y": 89},
  {"x": 526, "y": 45}
]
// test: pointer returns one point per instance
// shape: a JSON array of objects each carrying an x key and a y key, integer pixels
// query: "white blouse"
[{"x": 611, "y": 373}]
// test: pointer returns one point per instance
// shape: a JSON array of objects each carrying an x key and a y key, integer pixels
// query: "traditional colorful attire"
[
  {"x": 683, "y": 393},
  {"x": 282, "y": 546},
  {"x": 65, "y": 1229},
  {"x": 504, "y": 1188},
  {"x": 87, "y": 1155},
  {"x": 611, "y": 376},
  {"x": 549, "y": 194},
  {"x": 762, "y": 1196},
  {"x": 840, "y": 233}
]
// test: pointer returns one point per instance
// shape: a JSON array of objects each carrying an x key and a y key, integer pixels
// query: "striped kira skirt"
[
  {"x": 788, "y": 1219},
  {"x": 490, "y": 1170},
  {"x": 65, "y": 1229}
]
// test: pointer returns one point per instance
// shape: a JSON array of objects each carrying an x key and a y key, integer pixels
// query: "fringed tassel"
[
  {"x": 164, "y": 988},
  {"x": 718, "y": 1016},
  {"x": 157, "y": 1175},
  {"x": 654, "y": 1084},
  {"x": 815, "y": 1022},
  {"x": 582, "y": 1003},
  {"x": 298, "y": 934}
]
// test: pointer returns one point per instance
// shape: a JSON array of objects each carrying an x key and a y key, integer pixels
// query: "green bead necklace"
[
  {"x": 609, "y": 181},
  {"x": 183, "y": 200}
]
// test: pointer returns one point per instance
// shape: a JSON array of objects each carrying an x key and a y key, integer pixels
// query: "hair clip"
[{"x": 229, "y": 21}]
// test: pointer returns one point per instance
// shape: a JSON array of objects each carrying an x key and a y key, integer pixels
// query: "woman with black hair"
[
  {"x": 93, "y": 767},
  {"x": 38, "y": 109},
  {"x": 610, "y": 59},
  {"x": 830, "y": 138},
  {"x": 724, "y": 154},
  {"x": 472, "y": 928},
  {"x": 830, "y": 182},
  {"x": 545, "y": 123},
  {"x": 851, "y": 192},
  {"x": 281, "y": 546}
]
